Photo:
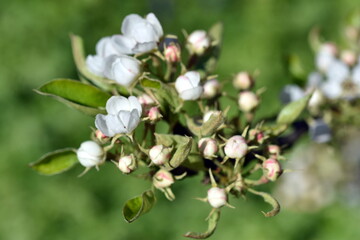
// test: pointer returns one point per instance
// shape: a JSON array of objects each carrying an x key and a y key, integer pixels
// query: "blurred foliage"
[{"x": 35, "y": 48}]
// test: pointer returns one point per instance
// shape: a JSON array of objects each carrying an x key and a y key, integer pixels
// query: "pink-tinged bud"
[
  {"x": 211, "y": 88},
  {"x": 243, "y": 81},
  {"x": 198, "y": 42},
  {"x": 159, "y": 154},
  {"x": 236, "y": 147},
  {"x": 348, "y": 57},
  {"x": 172, "y": 53},
  {"x": 145, "y": 100},
  {"x": 272, "y": 169},
  {"x": 248, "y": 101},
  {"x": 274, "y": 150},
  {"x": 127, "y": 164},
  {"x": 154, "y": 114},
  {"x": 208, "y": 147},
  {"x": 208, "y": 115},
  {"x": 260, "y": 137},
  {"x": 217, "y": 197},
  {"x": 163, "y": 179},
  {"x": 99, "y": 135}
]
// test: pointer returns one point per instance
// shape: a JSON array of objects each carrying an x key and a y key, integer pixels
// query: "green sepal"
[
  {"x": 293, "y": 110},
  {"x": 212, "y": 223},
  {"x": 83, "y": 97},
  {"x": 150, "y": 83},
  {"x": 138, "y": 206},
  {"x": 55, "y": 162},
  {"x": 208, "y": 128},
  {"x": 269, "y": 199}
]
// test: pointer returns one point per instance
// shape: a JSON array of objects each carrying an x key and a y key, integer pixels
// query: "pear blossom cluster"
[{"x": 161, "y": 117}]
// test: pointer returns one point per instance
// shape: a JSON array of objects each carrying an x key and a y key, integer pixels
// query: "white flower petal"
[
  {"x": 338, "y": 71},
  {"x": 356, "y": 75},
  {"x": 156, "y": 24},
  {"x": 144, "y": 47},
  {"x": 100, "y": 123},
  {"x": 144, "y": 32},
  {"x": 105, "y": 47},
  {"x": 191, "y": 94},
  {"x": 194, "y": 78},
  {"x": 134, "y": 120},
  {"x": 331, "y": 89},
  {"x": 124, "y": 117},
  {"x": 314, "y": 79},
  {"x": 115, "y": 104},
  {"x": 183, "y": 83},
  {"x": 122, "y": 74},
  {"x": 135, "y": 104},
  {"x": 96, "y": 65},
  {"x": 123, "y": 44},
  {"x": 129, "y": 22},
  {"x": 115, "y": 125}
]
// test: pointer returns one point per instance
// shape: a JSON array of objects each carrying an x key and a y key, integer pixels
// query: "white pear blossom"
[
  {"x": 139, "y": 35},
  {"x": 90, "y": 154},
  {"x": 123, "y": 69},
  {"x": 188, "y": 86},
  {"x": 123, "y": 116},
  {"x": 236, "y": 147},
  {"x": 217, "y": 197},
  {"x": 198, "y": 41}
]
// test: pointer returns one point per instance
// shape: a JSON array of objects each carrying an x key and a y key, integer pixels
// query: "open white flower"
[
  {"x": 139, "y": 35},
  {"x": 187, "y": 86},
  {"x": 123, "y": 116},
  {"x": 123, "y": 69},
  {"x": 90, "y": 154}
]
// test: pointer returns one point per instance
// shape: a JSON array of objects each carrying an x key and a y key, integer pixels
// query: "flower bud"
[
  {"x": 217, "y": 197},
  {"x": 145, "y": 100},
  {"x": 188, "y": 86},
  {"x": 159, "y": 154},
  {"x": 171, "y": 48},
  {"x": 90, "y": 154},
  {"x": 127, "y": 164},
  {"x": 317, "y": 99},
  {"x": 211, "y": 88},
  {"x": 243, "y": 81},
  {"x": 198, "y": 42},
  {"x": 154, "y": 114},
  {"x": 208, "y": 115},
  {"x": 99, "y": 135},
  {"x": 248, "y": 101},
  {"x": 272, "y": 169},
  {"x": 348, "y": 57},
  {"x": 274, "y": 150},
  {"x": 163, "y": 179},
  {"x": 236, "y": 147},
  {"x": 208, "y": 147}
]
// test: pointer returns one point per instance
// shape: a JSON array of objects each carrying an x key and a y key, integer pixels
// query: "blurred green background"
[{"x": 35, "y": 48}]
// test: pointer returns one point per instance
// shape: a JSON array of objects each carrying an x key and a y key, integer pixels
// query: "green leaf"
[
  {"x": 212, "y": 223},
  {"x": 167, "y": 94},
  {"x": 79, "y": 58},
  {"x": 209, "y": 127},
  {"x": 269, "y": 199},
  {"x": 169, "y": 140},
  {"x": 216, "y": 33},
  {"x": 293, "y": 110},
  {"x": 181, "y": 153},
  {"x": 150, "y": 83},
  {"x": 81, "y": 96},
  {"x": 138, "y": 206},
  {"x": 55, "y": 162}
]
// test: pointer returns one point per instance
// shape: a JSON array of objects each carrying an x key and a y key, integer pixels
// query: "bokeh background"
[{"x": 35, "y": 48}]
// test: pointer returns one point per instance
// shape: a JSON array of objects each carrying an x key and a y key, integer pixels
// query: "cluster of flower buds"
[{"x": 159, "y": 115}]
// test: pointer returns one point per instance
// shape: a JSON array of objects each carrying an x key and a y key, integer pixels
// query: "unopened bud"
[
  {"x": 243, "y": 81},
  {"x": 248, "y": 101},
  {"x": 171, "y": 48},
  {"x": 198, "y": 42},
  {"x": 217, "y": 197},
  {"x": 145, "y": 100},
  {"x": 272, "y": 169},
  {"x": 208, "y": 147},
  {"x": 211, "y": 88},
  {"x": 236, "y": 147},
  {"x": 208, "y": 115},
  {"x": 163, "y": 179},
  {"x": 99, "y": 135},
  {"x": 348, "y": 57},
  {"x": 127, "y": 164},
  {"x": 274, "y": 150},
  {"x": 154, "y": 114},
  {"x": 159, "y": 154},
  {"x": 90, "y": 154}
]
